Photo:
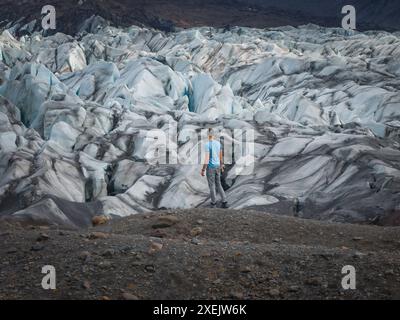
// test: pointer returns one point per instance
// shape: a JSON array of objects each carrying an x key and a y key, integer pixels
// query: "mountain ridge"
[{"x": 167, "y": 15}]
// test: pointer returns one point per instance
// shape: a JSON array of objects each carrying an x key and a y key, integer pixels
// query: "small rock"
[
  {"x": 275, "y": 274},
  {"x": 158, "y": 234},
  {"x": 12, "y": 250},
  {"x": 196, "y": 241},
  {"x": 100, "y": 220},
  {"x": 155, "y": 247},
  {"x": 37, "y": 247},
  {"x": 315, "y": 281},
  {"x": 97, "y": 235},
  {"x": 150, "y": 268},
  {"x": 237, "y": 295},
  {"x": 196, "y": 231},
  {"x": 389, "y": 272},
  {"x": 125, "y": 249},
  {"x": 105, "y": 298},
  {"x": 274, "y": 292},
  {"x": 245, "y": 270},
  {"x": 86, "y": 285},
  {"x": 326, "y": 256},
  {"x": 358, "y": 238},
  {"x": 293, "y": 288},
  {"x": 131, "y": 286},
  {"x": 165, "y": 222},
  {"x": 84, "y": 255},
  {"x": 160, "y": 225},
  {"x": 200, "y": 222},
  {"x": 129, "y": 296},
  {"x": 359, "y": 254},
  {"x": 108, "y": 253},
  {"x": 105, "y": 264},
  {"x": 43, "y": 237}
]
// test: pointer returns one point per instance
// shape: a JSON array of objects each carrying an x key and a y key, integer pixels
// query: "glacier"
[{"x": 76, "y": 112}]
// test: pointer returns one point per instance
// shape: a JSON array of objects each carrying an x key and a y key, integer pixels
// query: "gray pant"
[{"x": 214, "y": 180}]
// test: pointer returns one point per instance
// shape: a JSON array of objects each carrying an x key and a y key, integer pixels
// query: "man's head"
[{"x": 210, "y": 134}]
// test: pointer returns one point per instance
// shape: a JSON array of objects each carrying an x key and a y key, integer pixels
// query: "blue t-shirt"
[{"x": 213, "y": 147}]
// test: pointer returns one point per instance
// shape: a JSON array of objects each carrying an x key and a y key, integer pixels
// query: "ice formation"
[{"x": 75, "y": 113}]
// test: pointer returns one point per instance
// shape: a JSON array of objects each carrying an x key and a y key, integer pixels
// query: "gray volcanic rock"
[{"x": 80, "y": 117}]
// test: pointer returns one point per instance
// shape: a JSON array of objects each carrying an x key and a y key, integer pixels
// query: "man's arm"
[
  {"x": 205, "y": 164},
  {"x": 221, "y": 160}
]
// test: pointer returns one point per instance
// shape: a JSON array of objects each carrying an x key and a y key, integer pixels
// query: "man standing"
[{"x": 213, "y": 165}]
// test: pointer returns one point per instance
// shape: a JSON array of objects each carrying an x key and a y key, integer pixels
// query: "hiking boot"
[
  {"x": 225, "y": 205},
  {"x": 213, "y": 205}
]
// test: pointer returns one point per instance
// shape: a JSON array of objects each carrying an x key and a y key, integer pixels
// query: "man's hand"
[
  {"x": 223, "y": 168},
  {"x": 203, "y": 172}
]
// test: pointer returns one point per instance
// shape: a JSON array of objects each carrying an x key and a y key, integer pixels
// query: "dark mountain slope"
[{"x": 166, "y": 14}]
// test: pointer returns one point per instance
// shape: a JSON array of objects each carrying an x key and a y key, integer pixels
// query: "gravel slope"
[{"x": 200, "y": 254}]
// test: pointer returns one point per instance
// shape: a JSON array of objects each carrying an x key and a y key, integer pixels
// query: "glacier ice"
[{"x": 79, "y": 118}]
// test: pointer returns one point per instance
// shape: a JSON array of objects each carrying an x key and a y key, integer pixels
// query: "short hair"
[{"x": 211, "y": 132}]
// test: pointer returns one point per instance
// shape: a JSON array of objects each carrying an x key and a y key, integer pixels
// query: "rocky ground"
[{"x": 200, "y": 254}]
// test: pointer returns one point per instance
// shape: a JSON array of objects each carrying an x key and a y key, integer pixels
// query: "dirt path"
[{"x": 201, "y": 254}]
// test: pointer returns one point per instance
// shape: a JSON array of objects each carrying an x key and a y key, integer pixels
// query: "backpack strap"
[{"x": 210, "y": 150}]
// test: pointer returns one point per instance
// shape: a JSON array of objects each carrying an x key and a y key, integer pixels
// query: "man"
[{"x": 213, "y": 165}]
